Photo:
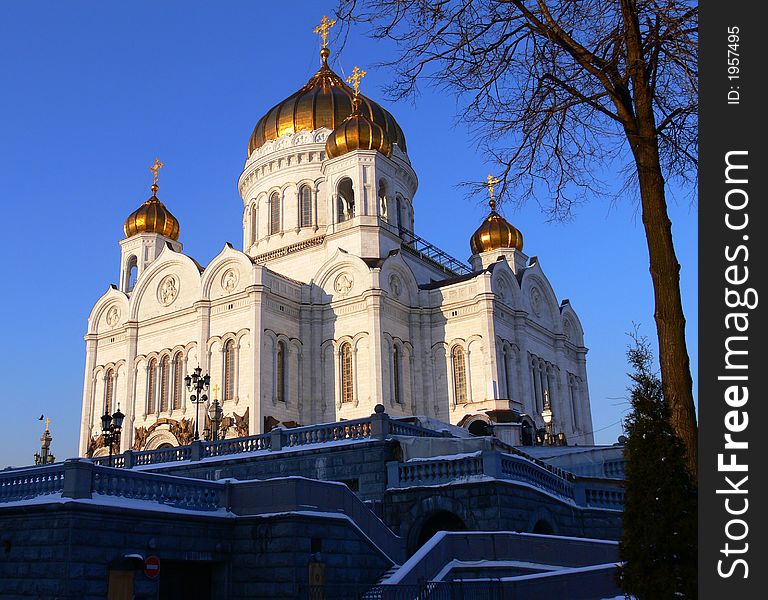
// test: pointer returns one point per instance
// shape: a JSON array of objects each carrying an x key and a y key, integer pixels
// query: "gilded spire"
[
  {"x": 155, "y": 168},
  {"x": 322, "y": 30},
  {"x": 491, "y": 182}
]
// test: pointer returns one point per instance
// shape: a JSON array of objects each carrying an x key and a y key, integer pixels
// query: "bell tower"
[{"x": 148, "y": 230}]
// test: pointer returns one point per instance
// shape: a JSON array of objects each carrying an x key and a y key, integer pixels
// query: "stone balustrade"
[
  {"x": 21, "y": 484},
  {"x": 520, "y": 469},
  {"x": 178, "y": 492},
  {"x": 378, "y": 426},
  {"x": 403, "y": 428},
  {"x": 357, "y": 429},
  {"x": 424, "y": 472},
  {"x": 252, "y": 443},
  {"x": 434, "y": 472}
]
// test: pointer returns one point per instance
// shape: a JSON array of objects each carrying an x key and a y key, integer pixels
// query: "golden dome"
[
  {"x": 325, "y": 101},
  {"x": 357, "y": 132},
  {"x": 494, "y": 233},
  {"x": 152, "y": 217}
]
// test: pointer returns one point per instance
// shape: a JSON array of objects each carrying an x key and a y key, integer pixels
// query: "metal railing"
[
  {"x": 433, "y": 590},
  {"x": 428, "y": 251}
]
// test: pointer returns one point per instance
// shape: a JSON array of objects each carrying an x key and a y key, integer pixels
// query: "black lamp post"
[
  {"x": 198, "y": 384},
  {"x": 111, "y": 428}
]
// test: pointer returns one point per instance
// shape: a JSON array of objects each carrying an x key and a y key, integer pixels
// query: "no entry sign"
[{"x": 152, "y": 567}]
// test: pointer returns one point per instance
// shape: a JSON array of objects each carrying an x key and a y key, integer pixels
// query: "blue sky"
[{"x": 92, "y": 92}]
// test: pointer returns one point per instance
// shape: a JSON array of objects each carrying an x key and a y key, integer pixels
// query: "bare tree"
[{"x": 558, "y": 91}]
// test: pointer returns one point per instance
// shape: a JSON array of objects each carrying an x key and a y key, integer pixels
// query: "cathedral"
[{"x": 333, "y": 305}]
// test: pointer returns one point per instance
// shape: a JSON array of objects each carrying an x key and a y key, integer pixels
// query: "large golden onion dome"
[
  {"x": 152, "y": 217},
  {"x": 357, "y": 132},
  {"x": 325, "y": 101}
]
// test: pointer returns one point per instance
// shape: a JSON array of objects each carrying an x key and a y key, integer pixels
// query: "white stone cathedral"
[{"x": 334, "y": 304}]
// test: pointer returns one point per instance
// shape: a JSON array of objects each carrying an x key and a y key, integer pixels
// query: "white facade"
[{"x": 328, "y": 311}]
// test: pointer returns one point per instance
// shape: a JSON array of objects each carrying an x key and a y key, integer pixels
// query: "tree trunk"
[
  {"x": 665, "y": 270},
  {"x": 670, "y": 320}
]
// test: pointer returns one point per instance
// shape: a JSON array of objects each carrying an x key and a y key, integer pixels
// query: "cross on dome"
[
  {"x": 355, "y": 78},
  {"x": 155, "y": 168},
  {"x": 323, "y": 28},
  {"x": 491, "y": 182}
]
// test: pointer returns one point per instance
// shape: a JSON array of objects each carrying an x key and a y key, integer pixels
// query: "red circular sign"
[{"x": 152, "y": 567}]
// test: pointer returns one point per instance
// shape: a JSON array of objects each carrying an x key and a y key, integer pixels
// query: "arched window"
[
  {"x": 383, "y": 208},
  {"x": 280, "y": 372},
  {"x": 229, "y": 370},
  {"x": 399, "y": 208},
  {"x": 254, "y": 222},
  {"x": 507, "y": 372},
  {"x": 459, "y": 376},
  {"x": 305, "y": 206},
  {"x": 152, "y": 386},
  {"x": 178, "y": 380},
  {"x": 397, "y": 383},
  {"x": 345, "y": 357},
  {"x": 274, "y": 213},
  {"x": 165, "y": 379},
  {"x": 573, "y": 390},
  {"x": 131, "y": 271},
  {"x": 346, "y": 200},
  {"x": 109, "y": 391}
]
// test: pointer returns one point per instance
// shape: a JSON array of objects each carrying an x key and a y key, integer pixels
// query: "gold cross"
[
  {"x": 354, "y": 79},
  {"x": 47, "y": 423},
  {"x": 155, "y": 168},
  {"x": 491, "y": 182},
  {"x": 215, "y": 391},
  {"x": 546, "y": 398},
  {"x": 322, "y": 29}
]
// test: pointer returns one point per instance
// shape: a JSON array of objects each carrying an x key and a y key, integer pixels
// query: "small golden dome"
[
  {"x": 494, "y": 233},
  {"x": 325, "y": 101},
  {"x": 357, "y": 132},
  {"x": 152, "y": 217}
]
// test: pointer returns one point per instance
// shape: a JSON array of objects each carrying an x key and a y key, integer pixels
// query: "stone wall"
[
  {"x": 494, "y": 506},
  {"x": 361, "y": 465},
  {"x": 64, "y": 551}
]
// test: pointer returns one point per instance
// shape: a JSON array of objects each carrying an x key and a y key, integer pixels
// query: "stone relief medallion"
[
  {"x": 567, "y": 330},
  {"x": 168, "y": 290},
  {"x": 229, "y": 280},
  {"x": 343, "y": 284},
  {"x": 113, "y": 316},
  {"x": 502, "y": 291},
  {"x": 395, "y": 285},
  {"x": 536, "y": 301}
]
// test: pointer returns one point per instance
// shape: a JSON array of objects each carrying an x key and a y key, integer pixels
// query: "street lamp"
[
  {"x": 197, "y": 383},
  {"x": 546, "y": 414},
  {"x": 111, "y": 428},
  {"x": 215, "y": 412}
]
